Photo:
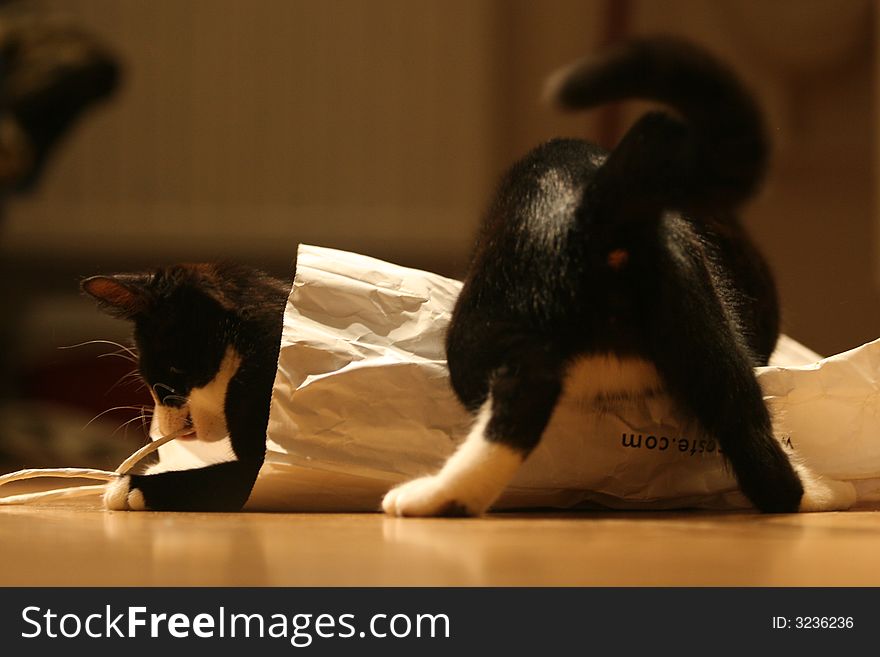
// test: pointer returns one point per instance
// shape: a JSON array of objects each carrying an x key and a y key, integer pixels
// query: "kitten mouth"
[{"x": 189, "y": 430}]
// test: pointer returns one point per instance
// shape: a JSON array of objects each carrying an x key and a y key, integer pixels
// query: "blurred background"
[{"x": 237, "y": 129}]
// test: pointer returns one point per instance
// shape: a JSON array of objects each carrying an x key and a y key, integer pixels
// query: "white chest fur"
[{"x": 207, "y": 404}]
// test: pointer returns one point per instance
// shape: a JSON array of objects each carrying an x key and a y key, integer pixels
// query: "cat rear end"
[{"x": 615, "y": 274}]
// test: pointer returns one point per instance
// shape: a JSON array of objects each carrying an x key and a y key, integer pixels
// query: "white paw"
[
  {"x": 118, "y": 497},
  {"x": 827, "y": 495},
  {"x": 429, "y": 496}
]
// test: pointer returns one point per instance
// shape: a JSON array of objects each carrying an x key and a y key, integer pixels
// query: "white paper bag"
[{"x": 361, "y": 402}]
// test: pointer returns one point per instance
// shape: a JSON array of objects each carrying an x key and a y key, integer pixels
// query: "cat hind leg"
[
  {"x": 507, "y": 427},
  {"x": 467, "y": 484},
  {"x": 823, "y": 494}
]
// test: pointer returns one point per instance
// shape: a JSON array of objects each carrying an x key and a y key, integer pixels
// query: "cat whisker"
[
  {"x": 128, "y": 350},
  {"x": 118, "y": 354},
  {"x": 134, "y": 374},
  {"x": 142, "y": 417},
  {"x": 110, "y": 410},
  {"x": 146, "y": 418}
]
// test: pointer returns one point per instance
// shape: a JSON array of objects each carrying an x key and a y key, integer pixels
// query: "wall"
[
  {"x": 813, "y": 66},
  {"x": 382, "y": 126},
  {"x": 246, "y": 127}
]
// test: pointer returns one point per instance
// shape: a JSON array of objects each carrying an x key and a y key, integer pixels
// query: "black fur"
[
  {"x": 184, "y": 319},
  {"x": 633, "y": 253}
]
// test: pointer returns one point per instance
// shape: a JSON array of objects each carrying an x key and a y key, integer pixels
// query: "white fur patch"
[
  {"x": 470, "y": 481},
  {"x": 191, "y": 454},
  {"x": 170, "y": 419},
  {"x": 821, "y": 494},
  {"x": 119, "y": 497},
  {"x": 591, "y": 377},
  {"x": 205, "y": 405},
  {"x": 136, "y": 501}
]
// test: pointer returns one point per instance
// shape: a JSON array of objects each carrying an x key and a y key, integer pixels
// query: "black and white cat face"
[
  {"x": 182, "y": 330},
  {"x": 200, "y": 413},
  {"x": 207, "y": 337}
]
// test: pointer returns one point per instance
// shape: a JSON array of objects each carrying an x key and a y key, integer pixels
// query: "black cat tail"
[{"x": 711, "y": 158}]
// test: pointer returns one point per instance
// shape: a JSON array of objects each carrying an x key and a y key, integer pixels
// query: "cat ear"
[{"x": 122, "y": 295}]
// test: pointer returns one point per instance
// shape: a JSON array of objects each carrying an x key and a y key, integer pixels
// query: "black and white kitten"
[
  {"x": 207, "y": 338},
  {"x": 607, "y": 274}
]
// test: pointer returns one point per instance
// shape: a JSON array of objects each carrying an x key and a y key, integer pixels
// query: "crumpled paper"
[{"x": 361, "y": 402}]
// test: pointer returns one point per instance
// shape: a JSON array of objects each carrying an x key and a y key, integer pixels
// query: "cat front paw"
[
  {"x": 428, "y": 496},
  {"x": 119, "y": 496}
]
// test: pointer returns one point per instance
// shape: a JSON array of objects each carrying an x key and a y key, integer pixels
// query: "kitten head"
[{"x": 184, "y": 320}]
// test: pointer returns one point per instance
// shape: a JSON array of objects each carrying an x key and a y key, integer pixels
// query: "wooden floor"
[{"x": 78, "y": 543}]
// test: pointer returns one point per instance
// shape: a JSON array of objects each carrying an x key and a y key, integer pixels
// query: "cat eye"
[{"x": 176, "y": 370}]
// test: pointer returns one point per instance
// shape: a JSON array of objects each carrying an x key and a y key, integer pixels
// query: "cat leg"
[
  {"x": 506, "y": 429},
  {"x": 706, "y": 367},
  {"x": 222, "y": 486},
  {"x": 218, "y": 487},
  {"x": 718, "y": 387},
  {"x": 467, "y": 484},
  {"x": 714, "y": 380}
]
